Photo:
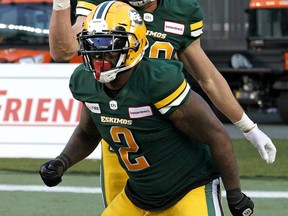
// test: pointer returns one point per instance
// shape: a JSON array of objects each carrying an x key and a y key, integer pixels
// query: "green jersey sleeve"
[
  {"x": 189, "y": 13},
  {"x": 167, "y": 86},
  {"x": 82, "y": 84}
]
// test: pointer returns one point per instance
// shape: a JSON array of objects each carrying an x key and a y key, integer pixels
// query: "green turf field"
[{"x": 256, "y": 175}]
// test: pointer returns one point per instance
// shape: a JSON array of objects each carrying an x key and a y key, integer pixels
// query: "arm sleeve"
[
  {"x": 170, "y": 89},
  {"x": 194, "y": 20},
  {"x": 82, "y": 83}
]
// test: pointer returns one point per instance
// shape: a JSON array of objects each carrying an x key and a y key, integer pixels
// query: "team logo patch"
[
  {"x": 113, "y": 105},
  {"x": 174, "y": 28},
  {"x": 140, "y": 112},
  {"x": 148, "y": 17},
  {"x": 93, "y": 107}
]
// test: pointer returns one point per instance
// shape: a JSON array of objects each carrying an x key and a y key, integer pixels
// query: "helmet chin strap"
[{"x": 140, "y": 3}]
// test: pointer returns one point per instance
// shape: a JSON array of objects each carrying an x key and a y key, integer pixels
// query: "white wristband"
[
  {"x": 61, "y": 4},
  {"x": 245, "y": 123}
]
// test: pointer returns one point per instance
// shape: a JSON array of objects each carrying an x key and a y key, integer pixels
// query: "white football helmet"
[{"x": 113, "y": 27}]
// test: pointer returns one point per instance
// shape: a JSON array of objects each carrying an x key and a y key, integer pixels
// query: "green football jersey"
[
  {"x": 160, "y": 161},
  {"x": 171, "y": 27}
]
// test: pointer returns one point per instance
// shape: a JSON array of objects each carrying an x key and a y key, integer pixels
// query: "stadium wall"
[{"x": 37, "y": 111}]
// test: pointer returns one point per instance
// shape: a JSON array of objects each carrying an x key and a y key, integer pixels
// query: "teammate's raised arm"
[
  {"x": 62, "y": 35},
  {"x": 217, "y": 89}
]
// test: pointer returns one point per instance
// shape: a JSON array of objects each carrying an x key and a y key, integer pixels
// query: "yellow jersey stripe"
[
  {"x": 176, "y": 102},
  {"x": 172, "y": 96},
  {"x": 196, "y": 25}
]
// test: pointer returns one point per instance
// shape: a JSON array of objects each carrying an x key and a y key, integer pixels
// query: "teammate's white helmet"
[{"x": 113, "y": 27}]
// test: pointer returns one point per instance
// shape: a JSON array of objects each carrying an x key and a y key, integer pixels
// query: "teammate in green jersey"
[{"x": 167, "y": 139}]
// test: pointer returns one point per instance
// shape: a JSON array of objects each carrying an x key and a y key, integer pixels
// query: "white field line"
[
  {"x": 60, "y": 189},
  {"x": 97, "y": 190},
  {"x": 264, "y": 194}
]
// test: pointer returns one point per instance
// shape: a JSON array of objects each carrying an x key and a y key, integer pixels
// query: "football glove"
[
  {"x": 263, "y": 143},
  {"x": 243, "y": 207},
  {"x": 52, "y": 171}
]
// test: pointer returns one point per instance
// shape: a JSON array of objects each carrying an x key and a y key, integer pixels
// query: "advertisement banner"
[{"x": 37, "y": 111}]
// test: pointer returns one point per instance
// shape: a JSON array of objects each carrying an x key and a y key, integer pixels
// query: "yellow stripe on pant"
[{"x": 113, "y": 177}]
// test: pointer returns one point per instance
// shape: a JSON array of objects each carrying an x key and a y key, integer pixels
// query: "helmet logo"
[{"x": 135, "y": 17}]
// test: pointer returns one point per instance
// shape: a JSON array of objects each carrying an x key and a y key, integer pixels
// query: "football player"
[
  {"x": 173, "y": 27},
  {"x": 166, "y": 137}
]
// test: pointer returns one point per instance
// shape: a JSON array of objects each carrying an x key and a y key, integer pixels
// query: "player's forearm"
[
  {"x": 225, "y": 160},
  {"x": 201, "y": 124},
  {"x": 62, "y": 39},
  {"x": 220, "y": 94},
  {"x": 80, "y": 145},
  {"x": 211, "y": 81}
]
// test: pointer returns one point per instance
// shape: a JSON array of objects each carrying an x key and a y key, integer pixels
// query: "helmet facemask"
[
  {"x": 96, "y": 46},
  {"x": 139, "y": 3}
]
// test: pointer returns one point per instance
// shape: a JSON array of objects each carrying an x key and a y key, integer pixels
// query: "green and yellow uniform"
[
  {"x": 173, "y": 26},
  {"x": 163, "y": 165}
]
